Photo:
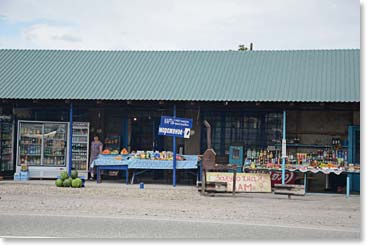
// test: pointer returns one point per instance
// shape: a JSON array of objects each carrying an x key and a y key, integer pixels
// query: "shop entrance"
[{"x": 144, "y": 134}]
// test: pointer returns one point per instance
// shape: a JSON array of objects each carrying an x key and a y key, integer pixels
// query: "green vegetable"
[
  {"x": 64, "y": 175},
  {"x": 58, "y": 183},
  {"x": 74, "y": 174},
  {"x": 66, "y": 183}
]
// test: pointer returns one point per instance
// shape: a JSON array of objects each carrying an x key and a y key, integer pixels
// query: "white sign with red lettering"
[{"x": 245, "y": 182}]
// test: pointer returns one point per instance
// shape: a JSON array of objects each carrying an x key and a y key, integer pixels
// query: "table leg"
[
  {"x": 203, "y": 179},
  {"x": 348, "y": 185},
  {"x": 97, "y": 173},
  {"x": 126, "y": 176},
  {"x": 201, "y": 171},
  {"x": 132, "y": 178},
  {"x": 327, "y": 181},
  {"x": 305, "y": 181},
  {"x": 234, "y": 182},
  {"x": 197, "y": 177}
]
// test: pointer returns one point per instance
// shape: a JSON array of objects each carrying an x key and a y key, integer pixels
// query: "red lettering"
[{"x": 247, "y": 187}]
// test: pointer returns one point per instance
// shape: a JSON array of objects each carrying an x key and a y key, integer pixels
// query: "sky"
[{"x": 179, "y": 24}]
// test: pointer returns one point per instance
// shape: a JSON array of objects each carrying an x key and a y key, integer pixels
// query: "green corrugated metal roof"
[{"x": 301, "y": 75}]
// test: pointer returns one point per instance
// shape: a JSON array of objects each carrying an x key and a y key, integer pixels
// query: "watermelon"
[
  {"x": 80, "y": 183},
  {"x": 64, "y": 175},
  {"x": 75, "y": 183},
  {"x": 58, "y": 183},
  {"x": 74, "y": 174},
  {"x": 66, "y": 183}
]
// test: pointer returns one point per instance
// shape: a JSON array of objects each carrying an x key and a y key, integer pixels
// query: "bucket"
[{"x": 141, "y": 185}]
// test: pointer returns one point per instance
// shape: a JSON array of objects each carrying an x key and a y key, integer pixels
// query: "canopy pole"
[
  {"x": 70, "y": 138},
  {"x": 174, "y": 151},
  {"x": 283, "y": 148}
]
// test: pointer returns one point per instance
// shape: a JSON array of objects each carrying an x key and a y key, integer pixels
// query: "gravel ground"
[{"x": 42, "y": 197}]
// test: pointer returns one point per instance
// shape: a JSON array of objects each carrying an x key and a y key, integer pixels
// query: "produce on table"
[
  {"x": 114, "y": 152},
  {"x": 124, "y": 151},
  {"x": 107, "y": 151},
  {"x": 156, "y": 155}
]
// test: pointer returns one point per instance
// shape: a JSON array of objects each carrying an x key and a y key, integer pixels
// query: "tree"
[{"x": 242, "y": 47}]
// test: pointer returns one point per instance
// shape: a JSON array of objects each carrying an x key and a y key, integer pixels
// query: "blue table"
[
  {"x": 112, "y": 167},
  {"x": 145, "y": 165},
  {"x": 140, "y": 166},
  {"x": 108, "y": 162}
]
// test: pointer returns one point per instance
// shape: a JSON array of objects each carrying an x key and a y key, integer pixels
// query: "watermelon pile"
[{"x": 69, "y": 181}]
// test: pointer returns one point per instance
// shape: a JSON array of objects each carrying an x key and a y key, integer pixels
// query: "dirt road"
[{"x": 313, "y": 212}]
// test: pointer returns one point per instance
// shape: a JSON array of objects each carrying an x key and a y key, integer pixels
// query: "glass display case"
[
  {"x": 30, "y": 144},
  {"x": 80, "y": 148},
  {"x": 42, "y": 146},
  {"x": 54, "y": 145},
  {"x": 6, "y": 145}
]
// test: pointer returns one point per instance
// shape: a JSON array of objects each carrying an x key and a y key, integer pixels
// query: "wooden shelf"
[{"x": 310, "y": 146}]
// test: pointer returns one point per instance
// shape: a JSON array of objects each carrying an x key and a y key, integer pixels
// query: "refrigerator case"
[
  {"x": 6, "y": 145},
  {"x": 42, "y": 146},
  {"x": 80, "y": 148}
]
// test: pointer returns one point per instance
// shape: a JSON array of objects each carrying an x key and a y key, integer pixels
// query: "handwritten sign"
[{"x": 245, "y": 182}]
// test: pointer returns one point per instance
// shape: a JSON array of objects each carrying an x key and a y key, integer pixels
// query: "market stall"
[
  {"x": 141, "y": 162},
  {"x": 305, "y": 170}
]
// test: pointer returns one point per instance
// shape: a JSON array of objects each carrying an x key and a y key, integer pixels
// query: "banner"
[
  {"x": 276, "y": 178},
  {"x": 245, "y": 182}
]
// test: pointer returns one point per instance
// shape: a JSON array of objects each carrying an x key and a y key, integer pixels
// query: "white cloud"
[
  {"x": 53, "y": 36},
  {"x": 185, "y": 24}
]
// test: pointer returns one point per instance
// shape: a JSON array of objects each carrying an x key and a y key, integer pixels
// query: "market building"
[{"x": 244, "y": 95}]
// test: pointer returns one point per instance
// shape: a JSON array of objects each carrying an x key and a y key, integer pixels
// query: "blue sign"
[
  {"x": 174, "y": 131},
  {"x": 176, "y": 122}
]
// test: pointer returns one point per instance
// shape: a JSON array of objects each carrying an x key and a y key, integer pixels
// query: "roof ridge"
[{"x": 151, "y": 51}]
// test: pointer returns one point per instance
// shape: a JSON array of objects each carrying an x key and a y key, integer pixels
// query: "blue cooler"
[
  {"x": 16, "y": 176},
  {"x": 24, "y": 175}
]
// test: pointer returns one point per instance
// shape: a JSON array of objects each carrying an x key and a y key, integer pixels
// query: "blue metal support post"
[
  {"x": 174, "y": 152},
  {"x": 348, "y": 185},
  {"x": 283, "y": 149},
  {"x": 70, "y": 138}
]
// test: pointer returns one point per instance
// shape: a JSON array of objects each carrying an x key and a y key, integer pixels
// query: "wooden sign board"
[{"x": 245, "y": 182}]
